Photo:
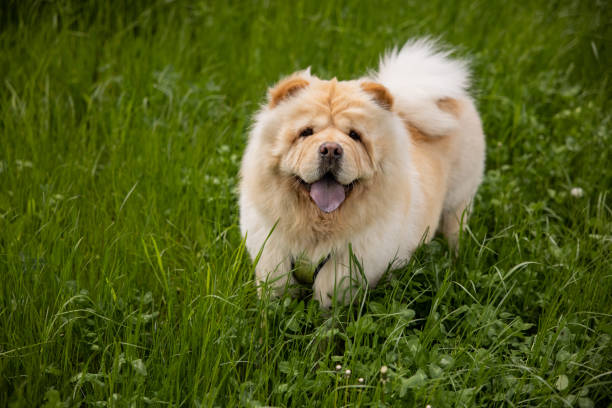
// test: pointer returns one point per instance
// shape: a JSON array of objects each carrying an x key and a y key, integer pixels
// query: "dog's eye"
[
  {"x": 354, "y": 135},
  {"x": 306, "y": 132}
]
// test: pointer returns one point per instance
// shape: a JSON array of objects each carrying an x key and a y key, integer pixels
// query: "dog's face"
[{"x": 327, "y": 139}]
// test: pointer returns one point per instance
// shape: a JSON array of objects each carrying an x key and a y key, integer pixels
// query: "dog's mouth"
[{"x": 327, "y": 193}]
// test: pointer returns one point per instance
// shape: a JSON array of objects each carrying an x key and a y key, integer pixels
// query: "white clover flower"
[
  {"x": 347, "y": 373},
  {"x": 383, "y": 370},
  {"x": 338, "y": 367},
  {"x": 360, "y": 380},
  {"x": 21, "y": 164},
  {"x": 577, "y": 192}
]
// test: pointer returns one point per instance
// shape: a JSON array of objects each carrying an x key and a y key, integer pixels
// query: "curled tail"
[{"x": 427, "y": 85}]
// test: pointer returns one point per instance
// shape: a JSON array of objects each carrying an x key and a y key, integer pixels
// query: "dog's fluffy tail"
[{"x": 426, "y": 84}]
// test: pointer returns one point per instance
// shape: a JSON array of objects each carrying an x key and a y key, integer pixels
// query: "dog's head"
[{"x": 325, "y": 139}]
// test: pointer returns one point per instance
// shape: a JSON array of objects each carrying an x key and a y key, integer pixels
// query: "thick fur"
[{"x": 415, "y": 169}]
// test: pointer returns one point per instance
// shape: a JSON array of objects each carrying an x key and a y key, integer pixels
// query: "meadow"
[{"x": 124, "y": 278}]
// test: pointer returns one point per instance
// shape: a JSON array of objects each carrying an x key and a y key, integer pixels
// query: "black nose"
[{"x": 330, "y": 150}]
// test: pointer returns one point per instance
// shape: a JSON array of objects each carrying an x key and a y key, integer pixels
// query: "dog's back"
[{"x": 430, "y": 93}]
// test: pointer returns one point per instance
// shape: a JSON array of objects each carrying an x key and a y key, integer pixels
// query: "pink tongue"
[{"x": 327, "y": 193}]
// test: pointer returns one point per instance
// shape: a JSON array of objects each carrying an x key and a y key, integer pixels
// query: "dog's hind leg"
[{"x": 454, "y": 221}]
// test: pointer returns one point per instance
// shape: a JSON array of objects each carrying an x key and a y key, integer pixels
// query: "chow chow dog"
[{"x": 362, "y": 170}]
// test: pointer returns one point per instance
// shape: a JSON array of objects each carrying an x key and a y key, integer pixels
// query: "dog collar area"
[{"x": 304, "y": 271}]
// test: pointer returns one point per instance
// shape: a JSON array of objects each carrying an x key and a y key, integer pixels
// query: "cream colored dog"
[{"x": 380, "y": 163}]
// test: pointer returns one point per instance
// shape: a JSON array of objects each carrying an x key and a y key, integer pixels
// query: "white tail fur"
[{"x": 418, "y": 76}]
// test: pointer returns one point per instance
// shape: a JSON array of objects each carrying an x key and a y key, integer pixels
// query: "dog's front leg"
[
  {"x": 338, "y": 281},
  {"x": 273, "y": 271}
]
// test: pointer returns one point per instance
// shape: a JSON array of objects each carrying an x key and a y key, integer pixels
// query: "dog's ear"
[
  {"x": 284, "y": 89},
  {"x": 381, "y": 95}
]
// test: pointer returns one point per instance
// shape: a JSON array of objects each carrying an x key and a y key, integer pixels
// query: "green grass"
[{"x": 124, "y": 278}]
